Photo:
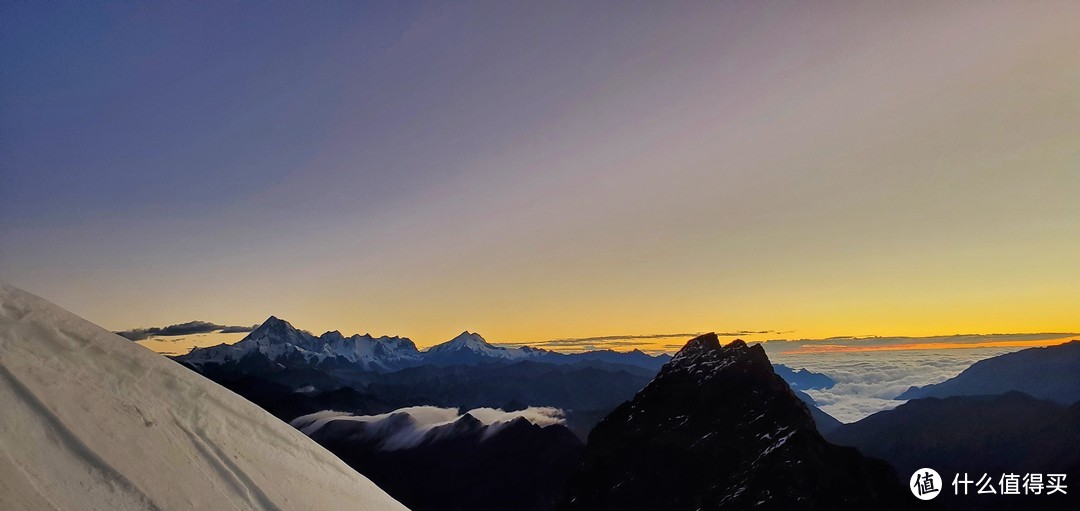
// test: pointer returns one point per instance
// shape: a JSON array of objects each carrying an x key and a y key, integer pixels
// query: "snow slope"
[{"x": 90, "y": 420}]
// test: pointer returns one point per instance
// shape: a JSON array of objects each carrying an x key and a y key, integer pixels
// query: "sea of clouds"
[
  {"x": 398, "y": 434},
  {"x": 868, "y": 382}
]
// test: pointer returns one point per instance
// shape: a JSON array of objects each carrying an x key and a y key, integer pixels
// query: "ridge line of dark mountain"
[
  {"x": 1048, "y": 372},
  {"x": 997, "y": 434}
]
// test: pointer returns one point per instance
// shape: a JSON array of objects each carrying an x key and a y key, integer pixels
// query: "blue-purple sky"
[{"x": 544, "y": 170}]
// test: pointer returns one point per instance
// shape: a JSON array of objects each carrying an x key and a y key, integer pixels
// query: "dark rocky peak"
[
  {"x": 703, "y": 359},
  {"x": 718, "y": 429},
  {"x": 700, "y": 345}
]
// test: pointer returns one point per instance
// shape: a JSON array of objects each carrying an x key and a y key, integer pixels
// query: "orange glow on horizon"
[{"x": 835, "y": 348}]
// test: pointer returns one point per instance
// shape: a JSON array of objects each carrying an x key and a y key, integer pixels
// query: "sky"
[{"x": 546, "y": 171}]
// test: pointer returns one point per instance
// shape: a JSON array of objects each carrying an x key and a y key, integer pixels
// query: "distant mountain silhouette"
[
  {"x": 803, "y": 379},
  {"x": 718, "y": 429},
  {"x": 1046, "y": 373},
  {"x": 1009, "y": 433}
]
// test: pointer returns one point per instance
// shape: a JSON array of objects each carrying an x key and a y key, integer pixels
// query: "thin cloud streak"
[
  {"x": 189, "y": 328},
  {"x": 630, "y": 339},
  {"x": 833, "y": 348},
  {"x": 871, "y": 344},
  {"x": 572, "y": 341}
]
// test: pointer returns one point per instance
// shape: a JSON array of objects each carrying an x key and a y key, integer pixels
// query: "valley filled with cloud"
[{"x": 868, "y": 382}]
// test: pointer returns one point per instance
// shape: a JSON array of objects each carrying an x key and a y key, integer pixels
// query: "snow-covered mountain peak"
[
  {"x": 277, "y": 341},
  {"x": 279, "y": 331},
  {"x": 274, "y": 324},
  {"x": 469, "y": 347},
  {"x": 466, "y": 340},
  {"x": 276, "y": 344}
]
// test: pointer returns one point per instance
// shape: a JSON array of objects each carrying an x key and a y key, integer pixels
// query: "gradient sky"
[{"x": 546, "y": 170}]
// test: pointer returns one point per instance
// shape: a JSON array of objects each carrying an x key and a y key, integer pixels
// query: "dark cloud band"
[{"x": 189, "y": 328}]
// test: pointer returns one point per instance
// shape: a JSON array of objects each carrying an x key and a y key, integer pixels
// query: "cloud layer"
[
  {"x": 867, "y": 383},
  {"x": 189, "y": 328},
  {"x": 396, "y": 434},
  {"x": 638, "y": 341},
  {"x": 880, "y": 343}
]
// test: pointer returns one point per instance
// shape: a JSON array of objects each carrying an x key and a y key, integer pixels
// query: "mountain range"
[
  {"x": 803, "y": 379},
  {"x": 468, "y": 373},
  {"x": 288, "y": 371},
  {"x": 281, "y": 343}
]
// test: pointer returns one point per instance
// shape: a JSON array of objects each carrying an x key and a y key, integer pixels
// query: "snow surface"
[{"x": 90, "y": 420}]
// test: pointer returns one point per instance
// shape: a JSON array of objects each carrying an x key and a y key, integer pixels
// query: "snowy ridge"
[
  {"x": 94, "y": 421},
  {"x": 278, "y": 340},
  {"x": 369, "y": 352},
  {"x": 276, "y": 344}
]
